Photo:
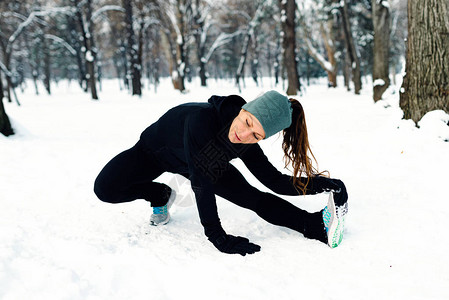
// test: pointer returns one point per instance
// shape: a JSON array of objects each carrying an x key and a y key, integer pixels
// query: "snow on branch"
[
  {"x": 62, "y": 42},
  {"x": 172, "y": 17},
  {"x": 106, "y": 8},
  {"x": 21, "y": 17},
  {"x": 5, "y": 70},
  {"x": 221, "y": 40},
  {"x": 149, "y": 22},
  {"x": 64, "y": 10},
  {"x": 327, "y": 66},
  {"x": 12, "y": 14}
]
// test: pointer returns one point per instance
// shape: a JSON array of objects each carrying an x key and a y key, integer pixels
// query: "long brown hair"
[{"x": 297, "y": 149}]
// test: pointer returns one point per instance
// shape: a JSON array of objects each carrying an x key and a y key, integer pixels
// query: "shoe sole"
[
  {"x": 161, "y": 223},
  {"x": 336, "y": 228}
]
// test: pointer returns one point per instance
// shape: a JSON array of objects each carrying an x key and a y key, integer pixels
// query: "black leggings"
[{"x": 129, "y": 176}]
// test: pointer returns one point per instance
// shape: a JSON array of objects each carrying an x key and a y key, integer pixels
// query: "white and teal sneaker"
[
  {"x": 334, "y": 221},
  {"x": 161, "y": 214}
]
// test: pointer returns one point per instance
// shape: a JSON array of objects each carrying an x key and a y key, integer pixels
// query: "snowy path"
[{"x": 57, "y": 241}]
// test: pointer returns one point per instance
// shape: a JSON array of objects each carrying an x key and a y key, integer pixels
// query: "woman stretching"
[{"x": 197, "y": 141}]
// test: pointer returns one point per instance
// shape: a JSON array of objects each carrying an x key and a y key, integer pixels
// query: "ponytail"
[{"x": 297, "y": 149}]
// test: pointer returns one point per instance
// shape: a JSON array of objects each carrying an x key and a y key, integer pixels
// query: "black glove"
[
  {"x": 324, "y": 184},
  {"x": 234, "y": 245}
]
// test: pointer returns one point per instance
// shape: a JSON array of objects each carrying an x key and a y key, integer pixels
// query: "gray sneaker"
[
  {"x": 161, "y": 214},
  {"x": 334, "y": 221}
]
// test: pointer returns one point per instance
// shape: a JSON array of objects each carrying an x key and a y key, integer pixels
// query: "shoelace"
[
  {"x": 326, "y": 218},
  {"x": 160, "y": 210}
]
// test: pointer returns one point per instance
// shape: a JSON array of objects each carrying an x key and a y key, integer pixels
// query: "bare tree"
[
  {"x": 288, "y": 13},
  {"x": 381, "y": 22},
  {"x": 134, "y": 67},
  {"x": 175, "y": 16},
  {"x": 84, "y": 18},
  {"x": 425, "y": 86},
  {"x": 243, "y": 56},
  {"x": 5, "y": 124},
  {"x": 201, "y": 25},
  {"x": 351, "y": 47},
  {"x": 326, "y": 39}
]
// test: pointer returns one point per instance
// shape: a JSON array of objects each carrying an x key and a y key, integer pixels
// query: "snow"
[
  {"x": 385, "y": 4},
  {"x": 435, "y": 124},
  {"x": 89, "y": 56},
  {"x": 378, "y": 81},
  {"x": 57, "y": 241}
]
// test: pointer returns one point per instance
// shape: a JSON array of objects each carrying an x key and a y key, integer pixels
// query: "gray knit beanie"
[{"x": 273, "y": 111}]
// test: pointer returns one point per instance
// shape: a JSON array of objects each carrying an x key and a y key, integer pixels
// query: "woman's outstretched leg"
[
  {"x": 129, "y": 176},
  {"x": 233, "y": 187}
]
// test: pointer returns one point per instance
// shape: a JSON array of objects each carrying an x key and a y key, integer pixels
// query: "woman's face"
[{"x": 245, "y": 129}]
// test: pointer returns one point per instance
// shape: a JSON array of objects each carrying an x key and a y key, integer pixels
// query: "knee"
[{"x": 103, "y": 191}]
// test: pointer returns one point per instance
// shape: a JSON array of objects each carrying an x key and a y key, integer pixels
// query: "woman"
[{"x": 197, "y": 140}]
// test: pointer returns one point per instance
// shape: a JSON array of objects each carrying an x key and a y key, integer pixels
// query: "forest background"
[{"x": 139, "y": 42}]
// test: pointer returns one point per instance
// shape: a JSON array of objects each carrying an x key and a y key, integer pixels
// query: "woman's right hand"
[
  {"x": 235, "y": 245},
  {"x": 324, "y": 184}
]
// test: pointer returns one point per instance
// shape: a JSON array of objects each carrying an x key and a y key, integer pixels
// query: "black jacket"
[{"x": 192, "y": 139}]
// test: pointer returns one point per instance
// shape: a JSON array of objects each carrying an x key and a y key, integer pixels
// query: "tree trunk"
[
  {"x": 89, "y": 52},
  {"x": 255, "y": 59},
  {"x": 198, "y": 32},
  {"x": 134, "y": 68},
  {"x": 124, "y": 64},
  {"x": 426, "y": 86},
  {"x": 288, "y": 12},
  {"x": 47, "y": 67},
  {"x": 6, "y": 58},
  {"x": 329, "y": 44},
  {"x": 156, "y": 54},
  {"x": 277, "y": 63},
  {"x": 381, "y": 22},
  {"x": 351, "y": 49},
  {"x": 269, "y": 60},
  {"x": 92, "y": 52},
  {"x": 33, "y": 63},
  {"x": 1, "y": 86},
  {"x": 75, "y": 43},
  {"x": 347, "y": 72},
  {"x": 243, "y": 55},
  {"x": 5, "y": 124},
  {"x": 181, "y": 43},
  {"x": 140, "y": 38}
]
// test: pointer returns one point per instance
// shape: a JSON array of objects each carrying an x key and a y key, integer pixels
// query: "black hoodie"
[{"x": 192, "y": 139}]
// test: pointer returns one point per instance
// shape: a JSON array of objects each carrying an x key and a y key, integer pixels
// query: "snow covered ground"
[{"x": 57, "y": 241}]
